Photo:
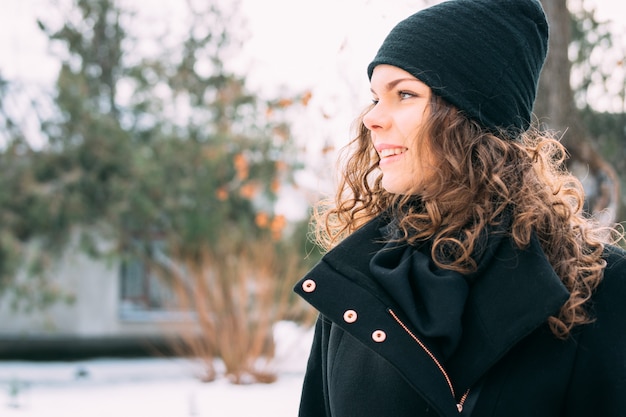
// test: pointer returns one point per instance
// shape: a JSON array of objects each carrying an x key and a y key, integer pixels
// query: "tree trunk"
[{"x": 556, "y": 110}]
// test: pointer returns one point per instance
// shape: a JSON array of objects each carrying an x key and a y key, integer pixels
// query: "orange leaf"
[
  {"x": 221, "y": 194},
  {"x": 306, "y": 97},
  {"x": 262, "y": 220}
]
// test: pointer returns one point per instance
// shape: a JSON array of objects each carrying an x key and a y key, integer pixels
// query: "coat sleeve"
[
  {"x": 314, "y": 399},
  {"x": 598, "y": 383}
]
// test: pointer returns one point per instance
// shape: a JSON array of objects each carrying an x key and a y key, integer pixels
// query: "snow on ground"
[{"x": 154, "y": 387}]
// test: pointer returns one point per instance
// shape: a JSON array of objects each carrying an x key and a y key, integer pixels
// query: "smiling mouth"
[{"x": 386, "y": 153}]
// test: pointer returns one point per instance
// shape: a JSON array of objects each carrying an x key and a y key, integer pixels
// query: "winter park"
[{"x": 159, "y": 164}]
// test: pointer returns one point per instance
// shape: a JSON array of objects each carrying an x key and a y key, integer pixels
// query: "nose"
[{"x": 376, "y": 118}]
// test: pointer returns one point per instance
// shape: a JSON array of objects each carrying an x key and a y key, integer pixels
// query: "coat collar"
[{"x": 511, "y": 299}]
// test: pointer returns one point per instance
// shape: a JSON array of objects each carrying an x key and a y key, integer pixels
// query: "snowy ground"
[{"x": 150, "y": 387}]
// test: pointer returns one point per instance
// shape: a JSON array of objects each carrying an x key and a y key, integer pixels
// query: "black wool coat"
[{"x": 367, "y": 360}]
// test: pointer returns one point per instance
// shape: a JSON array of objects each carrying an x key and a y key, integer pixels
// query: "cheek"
[
  {"x": 409, "y": 126},
  {"x": 413, "y": 118}
]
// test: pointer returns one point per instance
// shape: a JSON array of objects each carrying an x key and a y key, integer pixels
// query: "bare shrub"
[{"x": 237, "y": 295}]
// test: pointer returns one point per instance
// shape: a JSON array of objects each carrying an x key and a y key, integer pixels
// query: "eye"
[
  {"x": 406, "y": 95},
  {"x": 375, "y": 101}
]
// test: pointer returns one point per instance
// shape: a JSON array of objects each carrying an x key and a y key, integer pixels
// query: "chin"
[
  {"x": 395, "y": 188},
  {"x": 401, "y": 187}
]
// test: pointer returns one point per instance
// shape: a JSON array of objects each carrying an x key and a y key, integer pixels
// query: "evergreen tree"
[{"x": 171, "y": 148}]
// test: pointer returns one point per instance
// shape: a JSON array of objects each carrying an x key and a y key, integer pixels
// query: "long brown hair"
[{"x": 479, "y": 175}]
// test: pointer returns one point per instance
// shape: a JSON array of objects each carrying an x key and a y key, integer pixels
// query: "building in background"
[{"x": 118, "y": 309}]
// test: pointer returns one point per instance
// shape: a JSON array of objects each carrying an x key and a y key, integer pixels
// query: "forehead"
[{"x": 386, "y": 77}]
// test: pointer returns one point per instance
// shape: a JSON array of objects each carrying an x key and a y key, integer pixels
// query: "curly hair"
[{"x": 480, "y": 175}]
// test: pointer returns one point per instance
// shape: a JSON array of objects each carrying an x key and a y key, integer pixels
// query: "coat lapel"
[
  {"x": 342, "y": 282},
  {"x": 335, "y": 292}
]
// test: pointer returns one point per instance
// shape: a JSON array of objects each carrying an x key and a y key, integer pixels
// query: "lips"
[{"x": 390, "y": 154}]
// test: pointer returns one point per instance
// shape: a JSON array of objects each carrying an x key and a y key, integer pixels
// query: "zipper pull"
[{"x": 459, "y": 405}]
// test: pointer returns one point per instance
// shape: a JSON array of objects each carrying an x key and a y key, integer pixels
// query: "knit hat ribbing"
[{"x": 483, "y": 56}]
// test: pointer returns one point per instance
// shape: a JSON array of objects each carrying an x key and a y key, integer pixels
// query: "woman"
[{"x": 462, "y": 276}]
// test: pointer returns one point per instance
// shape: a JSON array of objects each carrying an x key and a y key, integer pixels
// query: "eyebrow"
[{"x": 393, "y": 83}]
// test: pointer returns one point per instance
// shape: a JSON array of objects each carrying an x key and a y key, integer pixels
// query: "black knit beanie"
[{"x": 483, "y": 56}]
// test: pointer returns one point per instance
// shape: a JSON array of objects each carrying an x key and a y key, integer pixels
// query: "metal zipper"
[{"x": 459, "y": 405}]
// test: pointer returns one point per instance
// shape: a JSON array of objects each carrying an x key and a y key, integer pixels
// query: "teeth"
[{"x": 391, "y": 152}]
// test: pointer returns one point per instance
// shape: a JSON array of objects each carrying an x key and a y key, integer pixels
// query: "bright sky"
[
  {"x": 294, "y": 39},
  {"x": 294, "y": 43}
]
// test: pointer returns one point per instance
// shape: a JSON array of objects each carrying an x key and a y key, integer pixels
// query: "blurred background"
[{"x": 158, "y": 161}]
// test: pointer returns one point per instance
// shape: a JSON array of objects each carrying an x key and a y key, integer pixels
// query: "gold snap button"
[
  {"x": 308, "y": 285},
  {"x": 379, "y": 336},
  {"x": 349, "y": 316}
]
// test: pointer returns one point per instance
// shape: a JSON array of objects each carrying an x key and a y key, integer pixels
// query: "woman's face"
[{"x": 401, "y": 104}]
